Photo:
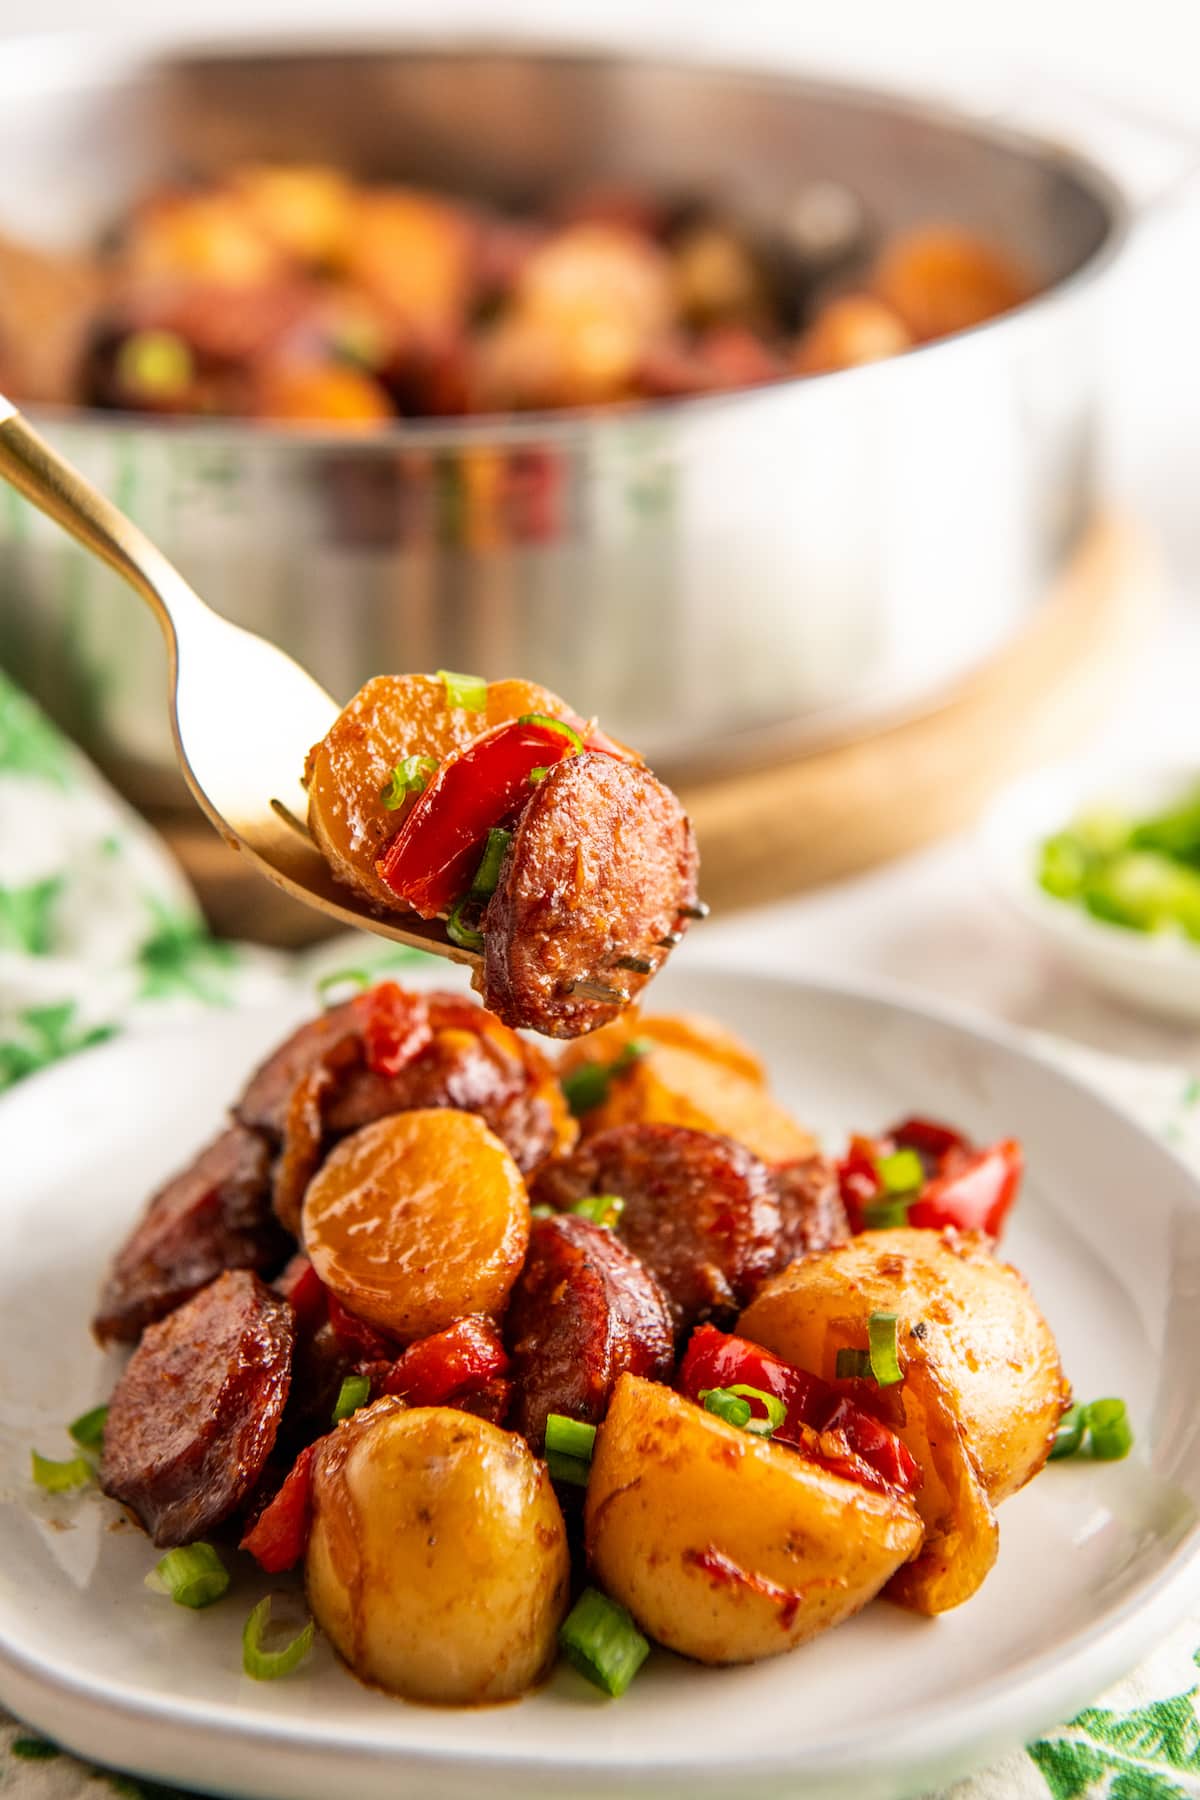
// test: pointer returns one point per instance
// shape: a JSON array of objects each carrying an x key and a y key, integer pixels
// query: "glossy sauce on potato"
[
  {"x": 438, "y": 1561},
  {"x": 418, "y": 1220}
]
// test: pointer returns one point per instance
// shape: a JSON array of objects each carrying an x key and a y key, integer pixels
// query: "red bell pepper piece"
[
  {"x": 973, "y": 1190},
  {"x": 303, "y": 1288},
  {"x": 718, "y": 1359},
  {"x": 461, "y": 1360},
  {"x": 279, "y": 1536},
  {"x": 431, "y": 860},
  {"x": 969, "y": 1188},
  {"x": 395, "y": 1027}
]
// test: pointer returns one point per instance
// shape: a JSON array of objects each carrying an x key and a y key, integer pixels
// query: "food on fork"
[{"x": 550, "y": 850}]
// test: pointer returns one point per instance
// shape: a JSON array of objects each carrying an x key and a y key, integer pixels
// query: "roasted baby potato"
[
  {"x": 437, "y": 1562},
  {"x": 983, "y": 1389},
  {"x": 940, "y": 278},
  {"x": 418, "y": 1220},
  {"x": 694, "y": 1073},
  {"x": 853, "y": 329},
  {"x": 349, "y": 773},
  {"x": 723, "y": 1546}
]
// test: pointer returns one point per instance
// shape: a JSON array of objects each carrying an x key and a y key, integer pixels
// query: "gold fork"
[{"x": 243, "y": 713}]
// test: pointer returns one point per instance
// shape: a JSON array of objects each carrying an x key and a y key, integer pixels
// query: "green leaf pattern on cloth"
[{"x": 99, "y": 934}]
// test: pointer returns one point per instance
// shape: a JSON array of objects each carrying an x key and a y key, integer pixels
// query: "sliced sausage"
[
  {"x": 327, "y": 1080},
  {"x": 193, "y": 1419},
  {"x": 699, "y": 1211},
  {"x": 597, "y": 885},
  {"x": 583, "y": 1312},
  {"x": 215, "y": 1215},
  {"x": 810, "y": 1207}
]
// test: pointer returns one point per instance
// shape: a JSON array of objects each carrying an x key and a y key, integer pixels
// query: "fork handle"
[{"x": 29, "y": 464}]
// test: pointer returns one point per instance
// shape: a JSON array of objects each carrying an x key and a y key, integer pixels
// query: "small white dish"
[
  {"x": 1097, "y": 1561},
  {"x": 1157, "y": 971}
]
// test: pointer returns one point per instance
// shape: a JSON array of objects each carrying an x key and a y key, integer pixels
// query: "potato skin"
[
  {"x": 724, "y": 1547},
  {"x": 983, "y": 1387},
  {"x": 418, "y": 1220},
  {"x": 437, "y": 1562}
]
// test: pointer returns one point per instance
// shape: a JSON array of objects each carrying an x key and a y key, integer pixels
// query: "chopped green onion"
[
  {"x": 328, "y": 985},
  {"x": 570, "y": 1437},
  {"x": 155, "y": 363},
  {"x": 193, "y": 1575},
  {"x": 538, "y": 774},
  {"x": 883, "y": 1351},
  {"x": 411, "y": 775},
  {"x": 568, "y": 1468},
  {"x": 88, "y": 1428},
  {"x": 487, "y": 875},
  {"x": 853, "y": 1365},
  {"x": 587, "y": 1086},
  {"x": 34, "y": 1749},
  {"x": 269, "y": 1665},
  {"x": 61, "y": 1477},
  {"x": 724, "y": 1404},
  {"x": 353, "y": 1393},
  {"x": 1068, "y": 1439},
  {"x": 1110, "y": 1430},
  {"x": 601, "y": 1640},
  {"x": 601, "y": 1209},
  {"x": 776, "y": 1411},
  {"x": 902, "y": 1172},
  {"x": 559, "y": 725},
  {"x": 467, "y": 691},
  {"x": 542, "y": 1211},
  {"x": 886, "y": 1215},
  {"x": 458, "y": 931}
]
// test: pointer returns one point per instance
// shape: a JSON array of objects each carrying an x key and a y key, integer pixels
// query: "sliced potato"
[
  {"x": 418, "y": 1220},
  {"x": 723, "y": 1546},
  {"x": 983, "y": 1389},
  {"x": 392, "y": 717},
  {"x": 683, "y": 1031},
  {"x": 437, "y": 1562}
]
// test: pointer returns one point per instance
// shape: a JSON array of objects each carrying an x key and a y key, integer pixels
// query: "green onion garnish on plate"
[
  {"x": 269, "y": 1665},
  {"x": 192, "y": 1575},
  {"x": 88, "y": 1428},
  {"x": 587, "y": 1086},
  {"x": 61, "y": 1477},
  {"x": 883, "y": 1349},
  {"x": 1100, "y": 1430},
  {"x": 411, "y": 775},
  {"x": 467, "y": 937},
  {"x": 571, "y": 1469},
  {"x": 902, "y": 1172},
  {"x": 354, "y": 1392},
  {"x": 734, "y": 1405},
  {"x": 552, "y": 724},
  {"x": 853, "y": 1365},
  {"x": 487, "y": 875},
  {"x": 1068, "y": 1439},
  {"x": 601, "y": 1640},
  {"x": 570, "y": 1437},
  {"x": 467, "y": 691},
  {"x": 601, "y": 1209}
]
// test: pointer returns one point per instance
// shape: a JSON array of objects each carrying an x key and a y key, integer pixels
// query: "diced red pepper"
[
  {"x": 973, "y": 1190},
  {"x": 279, "y": 1536},
  {"x": 303, "y": 1288},
  {"x": 395, "y": 1027},
  {"x": 355, "y": 1335},
  {"x": 718, "y": 1359},
  {"x": 461, "y": 1360},
  {"x": 430, "y": 862}
]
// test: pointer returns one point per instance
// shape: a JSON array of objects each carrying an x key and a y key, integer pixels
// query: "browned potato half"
[
  {"x": 695, "y": 1074},
  {"x": 349, "y": 772},
  {"x": 418, "y": 1220},
  {"x": 940, "y": 278},
  {"x": 723, "y": 1546},
  {"x": 853, "y": 329},
  {"x": 437, "y": 1563},
  {"x": 983, "y": 1389},
  {"x": 302, "y": 208}
]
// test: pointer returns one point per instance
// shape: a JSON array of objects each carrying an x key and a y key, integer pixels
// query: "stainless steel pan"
[{"x": 713, "y": 577}]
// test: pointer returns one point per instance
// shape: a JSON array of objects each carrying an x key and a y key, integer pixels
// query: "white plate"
[
  {"x": 1157, "y": 971},
  {"x": 1096, "y": 1560}
]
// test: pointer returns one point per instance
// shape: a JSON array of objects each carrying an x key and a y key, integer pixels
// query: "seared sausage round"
[
  {"x": 810, "y": 1207},
  {"x": 700, "y": 1211},
  {"x": 326, "y": 1082},
  {"x": 214, "y": 1215},
  {"x": 193, "y": 1418},
  {"x": 583, "y": 1311},
  {"x": 597, "y": 885}
]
